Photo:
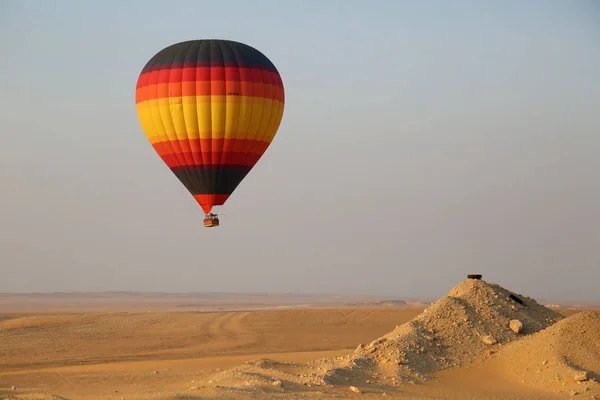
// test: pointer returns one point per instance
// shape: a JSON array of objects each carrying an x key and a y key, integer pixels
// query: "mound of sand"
[
  {"x": 564, "y": 356},
  {"x": 468, "y": 325},
  {"x": 471, "y": 322}
]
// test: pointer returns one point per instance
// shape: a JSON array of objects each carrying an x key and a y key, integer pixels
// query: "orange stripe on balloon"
[{"x": 210, "y": 88}]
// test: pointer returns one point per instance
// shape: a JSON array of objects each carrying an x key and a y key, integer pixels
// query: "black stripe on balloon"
[
  {"x": 201, "y": 179},
  {"x": 203, "y": 53}
]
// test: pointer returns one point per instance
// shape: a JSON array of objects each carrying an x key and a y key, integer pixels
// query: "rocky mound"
[
  {"x": 471, "y": 323},
  {"x": 474, "y": 320},
  {"x": 565, "y": 356}
]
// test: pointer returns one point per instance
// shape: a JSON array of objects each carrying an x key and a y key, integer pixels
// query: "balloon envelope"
[{"x": 210, "y": 108}]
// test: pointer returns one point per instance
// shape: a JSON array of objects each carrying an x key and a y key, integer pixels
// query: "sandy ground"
[
  {"x": 180, "y": 355},
  {"x": 21, "y": 304},
  {"x": 134, "y": 355}
]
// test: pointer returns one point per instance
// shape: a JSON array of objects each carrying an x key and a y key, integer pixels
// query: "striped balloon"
[{"x": 210, "y": 109}]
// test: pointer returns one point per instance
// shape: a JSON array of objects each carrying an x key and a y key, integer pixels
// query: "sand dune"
[
  {"x": 564, "y": 357},
  {"x": 460, "y": 347}
]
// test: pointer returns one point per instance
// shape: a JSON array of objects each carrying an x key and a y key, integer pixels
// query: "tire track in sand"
[{"x": 227, "y": 332}]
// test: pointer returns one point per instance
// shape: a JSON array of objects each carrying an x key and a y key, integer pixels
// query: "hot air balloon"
[{"x": 210, "y": 109}]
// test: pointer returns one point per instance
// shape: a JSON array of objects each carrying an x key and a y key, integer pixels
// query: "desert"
[
  {"x": 299, "y": 200},
  {"x": 481, "y": 341}
]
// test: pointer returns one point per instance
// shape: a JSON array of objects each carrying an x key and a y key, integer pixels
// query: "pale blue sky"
[{"x": 421, "y": 141}]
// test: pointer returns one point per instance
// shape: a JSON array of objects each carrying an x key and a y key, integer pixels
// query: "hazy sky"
[{"x": 421, "y": 141}]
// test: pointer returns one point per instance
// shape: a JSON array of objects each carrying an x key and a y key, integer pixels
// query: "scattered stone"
[
  {"x": 515, "y": 325},
  {"x": 581, "y": 376},
  {"x": 13, "y": 388},
  {"x": 489, "y": 340},
  {"x": 355, "y": 389},
  {"x": 277, "y": 383}
]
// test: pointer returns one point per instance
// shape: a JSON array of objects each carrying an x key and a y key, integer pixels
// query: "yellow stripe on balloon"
[{"x": 205, "y": 117}]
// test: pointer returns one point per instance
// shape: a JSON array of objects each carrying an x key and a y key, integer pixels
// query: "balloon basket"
[{"x": 211, "y": 221}]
